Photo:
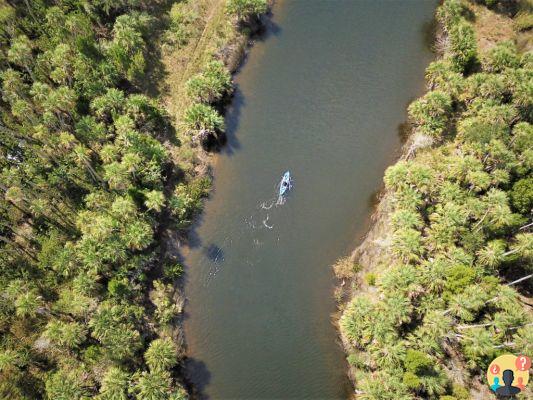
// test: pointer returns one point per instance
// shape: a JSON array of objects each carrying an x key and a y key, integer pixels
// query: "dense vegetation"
[
  {"x": 88, "y": 182},
  {"x": 445, "y": 302}
]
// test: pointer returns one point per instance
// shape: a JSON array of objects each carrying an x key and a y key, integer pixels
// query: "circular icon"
[
  {"x": 508, "y": 374},
  {"x": 522, "y": 363}
]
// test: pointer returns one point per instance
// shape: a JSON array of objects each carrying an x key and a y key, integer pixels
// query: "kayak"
[{"x": 285, "y": 184}]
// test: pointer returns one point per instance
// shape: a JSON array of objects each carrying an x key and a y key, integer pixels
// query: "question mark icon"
[
  {"x": 522, "y": 363},
  {"x": 495, "y": 369}
]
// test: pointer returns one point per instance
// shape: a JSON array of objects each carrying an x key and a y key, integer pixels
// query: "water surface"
[{"x": 322, "y": 95}]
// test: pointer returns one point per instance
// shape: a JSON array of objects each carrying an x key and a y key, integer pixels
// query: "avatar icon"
[
  {"x": 496, "y": 384},
  {"x": 508, "y": 375},
  {"x": 508, "y": 389}
]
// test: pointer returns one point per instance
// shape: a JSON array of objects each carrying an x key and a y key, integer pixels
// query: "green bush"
[
  {"x": 430, "y": 113},
  {"x": 463, "y": 46},
  {"x": 203, "y": 117},
  {"x": 173, "y": 270},
  {"x": 522, "y": 195},
  {"x": 450, "y": 12},
  {"x": 211, "y": 85},
  {"x": 371, "y": 278},
  {"x": 460, "y": 392},
  {"x": 161, "y": 354},
  {"x": 417, "y": 362},
  {"x": 245, "y": 9},
  {"x": 412, "y": 381},
  {"x": 523, "y": 21},
  {"x": 503, "y": 55}
]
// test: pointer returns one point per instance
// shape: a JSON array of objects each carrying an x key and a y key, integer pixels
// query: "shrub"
[
  {"x": 450, "y": 12},
  {"x": 407, "y": 244},
  {"x": 460, "y": 392},
  {"x": 431, "y": 112},
  {"x": 371, "y": 278},
  {"x": 166, "y": 307},
  {"x": 523, "y": 21},
  {"x": 245, "y": 9},
  {"x": 115, "y": 385},
  {"x": 522, "y": 195},
  {"x": 356, "y": 360},
  {"x": 203, "y": 117},
  {"x": 503, "y": 55},
  {"x": 173, "y": 270},
  {"x": 161, "y": 354},
  {"x": 181, "y": 19},
  {"x": 463, "y": 46},
  {"x": 211, "y": 85},
  {"x": 412, "y": 381},
  {"x": 417, "y": 362}
]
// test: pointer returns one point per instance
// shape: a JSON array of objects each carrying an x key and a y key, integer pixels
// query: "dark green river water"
[{"x": 323, "y": 95}]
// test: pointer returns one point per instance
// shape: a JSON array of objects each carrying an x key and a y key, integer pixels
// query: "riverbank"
[
  {"x": 198, "y": 34},
  {"x": 95, "y": 177},
  {"x": 415, "y": 295}
]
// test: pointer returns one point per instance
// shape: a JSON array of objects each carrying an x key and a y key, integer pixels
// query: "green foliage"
[
  {"x": 460, "y": 392},
  {"x": 345, "y": 268},
  {"x": 153, "y": 385},
  {"x": 503, "y": 55},
  {"x": 87, "y": 177},
  {"x": 173, "y": 270},
  {"x": 459, "y": 277},
  {"x": 522, "y": 195},
  {"x": 463, "y": 47},
  {"x": 211, "y": 85},
  {"x": 417, "y": 362},
  {"x": 63, "y": 385},
  {"x": 69, "y": 335},
  {"x": 459, "y": 216},
  {"x": 523, "y": 21},
  {"x": 161, "y": 355},
  {"x": 430, "y": 113},
  {"x": 245, "y": 9},
  {"x": 166, "y": 307},
  {"x": 204, "y": 118},
  {"x": 114, "y": 385},
  {"x": 371, "y": 278},
  {"x": 187, "y": 199},
  {"x": 383, "y": 385},
  {"x": 411, "y": 381},
  {"x": 451, "y": 12}
]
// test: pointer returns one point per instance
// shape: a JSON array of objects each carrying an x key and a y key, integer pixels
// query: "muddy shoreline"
[{"x": 233, "y": 54}]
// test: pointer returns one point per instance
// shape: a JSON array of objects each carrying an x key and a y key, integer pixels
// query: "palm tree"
[
  {"x": 478, "y": 345},
  {"x": 407, "y": 244},
  {"x": 115, "y": 385},
  {"x": 28, "y": 303},
  {"x": 69, "y": 335},
  {"x": 154, "y": 200},
  {"x": 388, "y": 354},
  {"x": 154, "y": 385},
  {"x": 161, "y": 354},
  {"x": 492, "y": 254},
  {"x": 523, "y": 246}
]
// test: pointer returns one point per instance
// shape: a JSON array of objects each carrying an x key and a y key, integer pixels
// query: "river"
[{"x": 323, "y": 95}]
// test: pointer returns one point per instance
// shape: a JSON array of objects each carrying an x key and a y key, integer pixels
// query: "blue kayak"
[{"x": 285, "y": 184}]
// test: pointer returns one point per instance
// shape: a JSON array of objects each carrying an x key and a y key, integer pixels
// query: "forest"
[
  {"x": 94, "y": 168},
  {"x": 454, "y": 290}
]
